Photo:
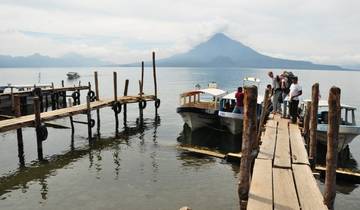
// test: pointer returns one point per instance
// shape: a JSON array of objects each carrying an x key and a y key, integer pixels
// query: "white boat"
[
  {"x": 233, "y": 122},
  {"x": 199, "y": 108},
  {"x": 72, "y": 75},
  {"x": 348, "y": 129}
]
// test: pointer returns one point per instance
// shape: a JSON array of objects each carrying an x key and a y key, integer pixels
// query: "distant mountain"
[
  {"x": 37, "y": 60},
  {"x": 222, "y": 51}
]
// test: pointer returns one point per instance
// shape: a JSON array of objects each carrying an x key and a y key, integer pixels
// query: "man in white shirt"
[{"x": 295, "y": 92}]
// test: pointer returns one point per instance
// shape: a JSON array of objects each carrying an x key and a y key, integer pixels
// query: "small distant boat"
[
  {"x": 199, "y": 108},
  {"x": 348, "y": 129},
  {"x": 72, "y": 75}
]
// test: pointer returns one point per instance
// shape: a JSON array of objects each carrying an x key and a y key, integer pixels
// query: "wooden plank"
[
  {"x": 282, "y": 157},
  {"x": 284, "y": 189},
  {"x": 202, "y": 151},
  {"x": 28, "y": 120},
  {"x": 298, "y": 152},
  {"x": 261, "y": 193},
  {"x": 309, "y": 194},
  {"x": 268, "y": 140}
]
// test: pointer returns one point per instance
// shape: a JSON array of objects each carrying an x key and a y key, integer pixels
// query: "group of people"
[{"x": 285, "y": 86}]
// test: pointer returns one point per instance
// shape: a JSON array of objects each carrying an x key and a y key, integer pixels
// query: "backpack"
[{"x": 290, "y": 78}]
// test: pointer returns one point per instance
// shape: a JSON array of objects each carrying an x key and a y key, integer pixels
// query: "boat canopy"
[
  {"x": 211, "y": 91},
  {"x": 324, "y": 103},
  {"x": 231, "y": 96}
]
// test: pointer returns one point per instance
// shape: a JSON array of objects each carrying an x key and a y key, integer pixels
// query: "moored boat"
[
  {"x": 348, "y": 129},
  {"x": 72, "y": 75},
  {"x": 199, "y": 108}
]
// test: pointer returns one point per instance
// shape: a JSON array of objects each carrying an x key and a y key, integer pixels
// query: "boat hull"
[
  {"x": 233, "y": 122},
  {"x": 346, "y": 135},
  {"x": 197, "y": 118}
]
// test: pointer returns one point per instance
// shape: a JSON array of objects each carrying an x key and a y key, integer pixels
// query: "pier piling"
[
  {"x": 97, "y": 98},
  {"x": 20, "y": 142},
  {"x": 313, "y": 123},
  {"x": 332, "y": 144},
  {"x": 264, "y": 112},
  {"x": 88, "y": 118},
  {"x": 125, "y": 105},
  {"x": 39, "y": 138},
  {"x": 248, "y": 139},
  {"x": 306, "y": 131},
  {"x": 115, "y": 102}
]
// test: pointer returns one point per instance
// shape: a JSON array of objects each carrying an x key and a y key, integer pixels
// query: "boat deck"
[{"x": 282, "y": 178}]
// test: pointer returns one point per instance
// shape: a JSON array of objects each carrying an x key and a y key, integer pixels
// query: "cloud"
[{"x": 127, "y": 31}]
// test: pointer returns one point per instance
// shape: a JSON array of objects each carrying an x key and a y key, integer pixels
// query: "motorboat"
[
  {"x": 348, "y": 129},
  {"x": 72, "y": 75},
  {"x": 199, "y": 108},
  {"x": 233, "y": 122}
]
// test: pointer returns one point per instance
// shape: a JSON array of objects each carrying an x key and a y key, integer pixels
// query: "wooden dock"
[
  {"x": 29, "y": 120},
  {"x": 282, "y": 177}
]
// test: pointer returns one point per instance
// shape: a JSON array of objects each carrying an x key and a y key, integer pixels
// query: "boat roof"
[
  {"x": 251, "y": 79},
  {"x": 324, "y": 103},
  {"x": 211, "y": 91},
  {"x": 231, "y": 96}
]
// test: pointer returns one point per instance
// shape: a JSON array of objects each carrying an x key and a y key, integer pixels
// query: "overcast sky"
[{"x": 123, "y": 31}]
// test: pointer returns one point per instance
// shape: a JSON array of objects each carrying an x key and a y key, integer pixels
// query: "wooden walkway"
[
  {"x": 282, "y": 178},
  {"x": 28, "y": 120}
]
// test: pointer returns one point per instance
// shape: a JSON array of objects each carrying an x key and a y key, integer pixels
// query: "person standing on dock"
[
  {"x": 295, "y": 92},
  {"x": 239, "y": 95},
  {"x": 276, "y": 92}
]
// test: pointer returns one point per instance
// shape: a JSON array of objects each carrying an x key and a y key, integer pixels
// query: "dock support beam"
[
  {"x": 19, "y": 135},
  {"x": 306, "y": 132},
  {"x": 97, "y": 98},
  {"x": 115, "y": 100},
  {"x": 313, "y": 123},
  {"x": 264, "y": 112},
  {"x": 155, "y": 82},
  {"x": 332, "y": 144},
  {"x": 37, "y": 128},
  {"x": 248, "y": 139},
  {"x": 88, "y": 118},
  {"x": 125, "y": 105}
]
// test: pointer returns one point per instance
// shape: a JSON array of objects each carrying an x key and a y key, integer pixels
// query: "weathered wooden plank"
[
  {"x": 28, "y": 120},
  {"x": 298, "y": 152},
  {"x": 282, "y": 157},
  {"x": 261, "y": 193},
  {"x": 268, "y": 141},
  {"x": 284, "y": 189},
  {"x": 202, "y": 151},
  {"x": 309, "y": 194}
]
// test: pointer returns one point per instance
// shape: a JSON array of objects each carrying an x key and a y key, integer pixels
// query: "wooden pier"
[
  {"x": 282, "y": 177},
  {"x": 63, "y": 108}
]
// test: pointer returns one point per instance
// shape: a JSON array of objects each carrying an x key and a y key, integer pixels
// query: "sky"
[{"x": 123, "y": 31}]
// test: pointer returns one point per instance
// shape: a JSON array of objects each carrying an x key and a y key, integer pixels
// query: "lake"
[{"x": 142, "y": 168}]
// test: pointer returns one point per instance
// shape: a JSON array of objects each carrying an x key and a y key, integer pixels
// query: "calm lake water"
[{"x": 142, "y": 169}]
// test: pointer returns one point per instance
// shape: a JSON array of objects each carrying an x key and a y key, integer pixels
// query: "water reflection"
[{"x": 21, "y": 178}]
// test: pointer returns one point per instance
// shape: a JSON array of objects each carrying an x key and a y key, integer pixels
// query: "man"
[
  {"x": 239, "y": 95},
  {"x": 276, "y": 92},
  {"x": 295, "y": 92}
]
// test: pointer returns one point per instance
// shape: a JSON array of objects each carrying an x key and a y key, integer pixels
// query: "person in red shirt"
[{"x": 239, "y": 108}]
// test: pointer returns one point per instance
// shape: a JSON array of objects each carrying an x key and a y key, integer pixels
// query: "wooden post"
[
  {"x": 62, "y": 83},
  {"x": 115, "y": 85},
  {"x": 248, "y": 139},
  {"x": 154, "y": 74},
  {"x": 141, "y": 116},
  {"x": 307, "y": 124},
  {"x": 115, "y": 100},
  {"x": 46, "y": 101},
  {"x": 313, "y": 123},
  {"x": 125, "y": 105},
  {"x": 19, "y": 135},
  {"x": 37, "y": 127},
  {"x": 332, "y": 144},
  {"x": 12, "y": 99},
  {"x": 97, "y": 98},
  {"x": 96, "y": 85},
  {"x": 88, "y": 117},
  {"x": 264, "y": 111},
  {"x": 71, "y": 118},
  {"x": 142, "y": 77}
]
